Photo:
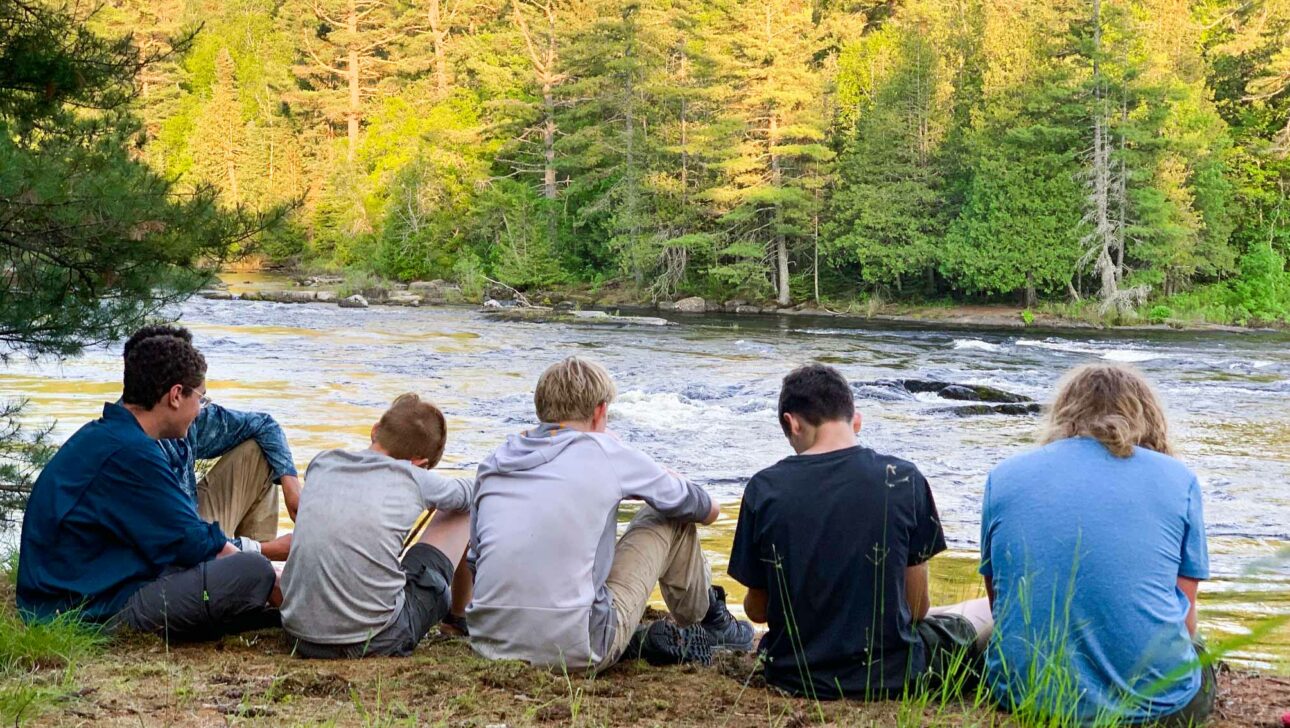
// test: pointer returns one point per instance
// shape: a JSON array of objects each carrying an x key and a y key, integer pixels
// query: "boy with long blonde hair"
[{"x": 1092, "y": 550}]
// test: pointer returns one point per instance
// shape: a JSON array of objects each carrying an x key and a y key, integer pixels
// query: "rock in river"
[{"x": 354, "y": 301}]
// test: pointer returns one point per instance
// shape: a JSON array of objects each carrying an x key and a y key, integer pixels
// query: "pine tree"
[
  {"x": 220, "y": 137},
  {"x": 350, "y": 48},
  {"x": 92, "y": 241},
  {"x": 888, "y": 211},
  {"x": 1018, "y": 225},
  {"x": 777, "y": 141}
]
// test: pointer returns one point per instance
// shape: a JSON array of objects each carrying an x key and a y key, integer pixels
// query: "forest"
[{"x": 1128, "y": 156}]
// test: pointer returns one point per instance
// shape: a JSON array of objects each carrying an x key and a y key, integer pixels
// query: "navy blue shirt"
[
  {"x": 829, "y": 537},
  {"x": 106, "y": 516}
]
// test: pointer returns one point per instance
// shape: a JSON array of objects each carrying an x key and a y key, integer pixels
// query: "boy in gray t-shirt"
[{"x": 346, "y": 592}]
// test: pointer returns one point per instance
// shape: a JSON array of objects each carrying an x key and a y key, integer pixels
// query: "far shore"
[{"x": 561, "y": 305}]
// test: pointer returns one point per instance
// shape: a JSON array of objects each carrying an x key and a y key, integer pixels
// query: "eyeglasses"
[{"x": 203, "y": 400}]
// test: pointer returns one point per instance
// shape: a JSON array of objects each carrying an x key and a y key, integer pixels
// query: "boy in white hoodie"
[{"x": 551, "y": 586}]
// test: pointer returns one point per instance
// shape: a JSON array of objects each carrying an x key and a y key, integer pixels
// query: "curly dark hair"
[
  {"x": 157, "y": 363},
  {"x": 147, "y": 332}
]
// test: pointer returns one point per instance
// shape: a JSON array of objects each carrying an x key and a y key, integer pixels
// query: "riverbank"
[
  {"x": 253, "y": 680},
  {"x": 565, "y": 303}
]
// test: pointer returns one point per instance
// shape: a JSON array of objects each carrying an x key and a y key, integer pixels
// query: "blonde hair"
[
  {"x": 1111, "y": 403},
  {"x": 412, "y": 428},
  {"x": 571, "y": 390}
]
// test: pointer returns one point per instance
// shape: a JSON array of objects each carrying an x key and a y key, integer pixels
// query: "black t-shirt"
[{"x": 829, "y": 537}]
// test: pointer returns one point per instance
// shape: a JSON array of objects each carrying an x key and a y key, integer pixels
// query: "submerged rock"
[
  {"x": 948, "y": 390},
  {"x": 971, "y": 410},
  {"x": 993, "y": 401}
]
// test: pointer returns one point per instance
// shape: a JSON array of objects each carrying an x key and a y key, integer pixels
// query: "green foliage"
[
  {"x": 92, "y": 240},
  {"x": 1160, "y": 314},
  {"x": 23, "y": 452},
  {"x": 1262, "y": 292},
  {"x": 783, "y": 149},
  {"x": 37, "y": 661},
  {"x": 1028, "y": 317},
  {"x": 889, "y": 210}
]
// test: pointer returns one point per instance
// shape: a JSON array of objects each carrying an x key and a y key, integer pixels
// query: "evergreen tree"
[
  {"x": 219, "y": 139},
  {"x": 888, "y": 212},
  {"x": 777, "y": 140},
  {"x": 352, "y": 47},
  {"x": 1018, "y": 228}
]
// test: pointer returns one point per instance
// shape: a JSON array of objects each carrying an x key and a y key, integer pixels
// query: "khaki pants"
[
  {"x": 240, "y": 495},
  {"x": 655, "y": 550}
]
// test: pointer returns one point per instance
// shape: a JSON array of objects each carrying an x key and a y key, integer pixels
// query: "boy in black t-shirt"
[{"x": 833, "y": 544}]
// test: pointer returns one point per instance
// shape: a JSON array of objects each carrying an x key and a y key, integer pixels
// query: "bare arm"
[
  {"x": 713, "y": 514},
  {"x": 918, "y": 590},
  {"x": 291, "y": 494},
  {"x": 1190, "y": 587},
  {"x": 755, "y": 605},
  {"x": 278, "y": 549}
]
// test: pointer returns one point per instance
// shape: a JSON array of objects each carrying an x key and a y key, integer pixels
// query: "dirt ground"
[{"x": 252, "y": 680}]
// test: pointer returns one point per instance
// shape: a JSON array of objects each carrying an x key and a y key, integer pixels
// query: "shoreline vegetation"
[{"x": 624, "y": 305}]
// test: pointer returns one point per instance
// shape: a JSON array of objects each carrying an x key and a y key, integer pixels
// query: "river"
[{"x": 700, "y": 397}]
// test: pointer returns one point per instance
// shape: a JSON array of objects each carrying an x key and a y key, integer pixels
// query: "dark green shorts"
[{"x": 953, "y": 660}]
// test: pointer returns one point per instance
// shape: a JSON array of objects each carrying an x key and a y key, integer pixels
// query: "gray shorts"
[{"x": 426, "y": 600}]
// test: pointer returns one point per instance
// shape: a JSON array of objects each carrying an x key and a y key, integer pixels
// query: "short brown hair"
[
  {"x": 1112, "y": 403},
  {"x": 571, "y": 390},
  {"x": 412, "y": 428}
]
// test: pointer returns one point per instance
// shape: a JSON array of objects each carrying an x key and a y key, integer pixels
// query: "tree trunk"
[
  {"x": 1104, "y": 234},
  {"x": 355, "y": 111},
  {"x": 548, "y": 156},
  {"x": 1121, "y": 196},
  {"x": 1031, "y": 298},
  {"x": 781, "y": 245},
  {"x": 629, "y": 151},
  {"x": 439, "y": 39},
  {"x": 815, "y": 248}
]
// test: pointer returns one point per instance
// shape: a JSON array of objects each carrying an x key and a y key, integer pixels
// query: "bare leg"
[
  {"x": 463, "y": 587},
  {"x": 448, "y": 531},
  {"x": 976, "y": 611}
]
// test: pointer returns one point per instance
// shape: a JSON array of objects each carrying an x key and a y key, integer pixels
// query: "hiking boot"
[
  {"x": 664, "y": 643},
  {"x": 727, "y": 632}
]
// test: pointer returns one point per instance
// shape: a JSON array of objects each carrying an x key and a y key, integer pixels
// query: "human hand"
[{"x": 278, "y": 549}]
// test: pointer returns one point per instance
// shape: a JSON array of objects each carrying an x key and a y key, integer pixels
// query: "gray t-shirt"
[{"x": 343, "y": 581}]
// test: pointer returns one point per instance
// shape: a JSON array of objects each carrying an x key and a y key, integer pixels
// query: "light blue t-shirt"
[{"x": 1085, "y": 550}]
